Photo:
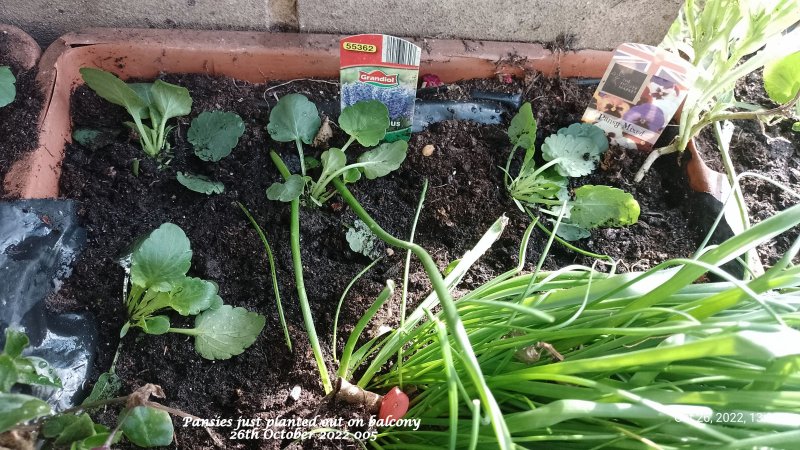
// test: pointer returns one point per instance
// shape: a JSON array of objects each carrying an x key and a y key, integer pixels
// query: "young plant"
[
  {"x": 144, "y": 423},
  {"x": 8, "y": 90},
  {"x": 213, "y": 134},
  {"x": 572, "y": 152},
  {"x": 158, "y": 102},
  {"x": 158, "y": 282},
  {"x": 726, "y": 40},
  {"x": 296, "y": 119},
  {"x": 365, "y": 122}
]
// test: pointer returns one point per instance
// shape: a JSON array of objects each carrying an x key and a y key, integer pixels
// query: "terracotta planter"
[
  {"x": 22, "y": 50},
  {"x": 249, "y": 56}
]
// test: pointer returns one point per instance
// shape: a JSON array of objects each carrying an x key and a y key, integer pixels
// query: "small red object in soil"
[
  {"x": 394, "y": 405},
  {"x": 430, "y": 80},
  {"x": 505, "y": 78}
]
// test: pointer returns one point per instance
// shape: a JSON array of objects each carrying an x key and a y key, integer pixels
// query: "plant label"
[
  {"x": 384, "y": 68},
  {"x": 641, "y": 90}
]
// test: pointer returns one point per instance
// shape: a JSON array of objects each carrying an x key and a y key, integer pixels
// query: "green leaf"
[
  {"x": 362, "y": 240},
  {"x": 55, "y": 425},
  {"x": 170, "y": 100},
  {"x": 225, "y": 332},
  {"x": 311, "y": 162},
  {"x": 162, "y": 259},
  {"x": 570, "y": 232},
  {"x": 144, "y": 91},
  {"x": 587, "y": 130},
  {"x": 114, "y": 90},
  {"x": 366, "y": 121},
  {"x": 522, "y": 130},
  {"x": 603, "y": 206},
  {"x": 148, "y": 427},
  {"x": 155, "y": 325},
  {"x": 77, "y": 428},
  {"x": 294, "y": 117},
  {"x": 214, "y": 134},
  {"x": 8, "y": 373},
  {"x": 96, "y": 441},
  {"x": 288, "y": 191},
  {"x": 782, "y": 78},
  {"x": 351, "y": 175},
  {"x": 34, "y": 370},
  {"x": 95, "y": 139},
  {"x": 200, "y": 183},
  {"x": 193, "y": 296},
  {"x": 18, "y": 408},
  {"x": 577, "y": 156},
  {"x": 383, "y": 159},
  {"x": 332, "y": 160},
  {"x": 16, "y": 341},
  {"x": 8, "y": 90},
  {"x": 796, "y": 125},
  {"x": 107, "y": 386}
]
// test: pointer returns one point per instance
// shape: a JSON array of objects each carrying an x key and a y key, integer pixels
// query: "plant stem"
[
  {"x": 305, "y": 308},
  {"x": 186, "y": 331},
  {"x": 271, "y": 260},
  {"x": 302, "y": 157},
  {"x": 652, "y": 157},
  {"x": 406, "y": 269},
  {"x": 454, "y": 323}
]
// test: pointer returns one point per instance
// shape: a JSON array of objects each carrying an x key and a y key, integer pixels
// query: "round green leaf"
[
  {"x": 227, "y": 331},
  {"x": 366, "y": 121},
  {"x": 603, "y": 206},
  {"x": 8, "y": 90},
  {"x": 782, "y": 78},
  {"x": 577, "y": 156},
  {"x": 162, "y": 259},
  {"x": 156, "y": 325},
  {"x": 294, "y": 117},
  {"x": 193, "y": 295},
  {"x": 148, "y": 427},
  {"x": 288, "y": 191},
  {"x": 214, "y": 134},
  {"x": 333, "y": 160},
  {"x": 587, "y": 130},
  {"x": 383, "y": 159},
  {"x": 170, "y": 100}
]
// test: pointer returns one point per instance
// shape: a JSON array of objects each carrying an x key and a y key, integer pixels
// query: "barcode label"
[{"x": 399, "y": 51}]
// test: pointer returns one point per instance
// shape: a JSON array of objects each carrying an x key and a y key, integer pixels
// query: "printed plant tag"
[
  {"x": 641, "y": 90},
  {"x": 385, "y": 68}
]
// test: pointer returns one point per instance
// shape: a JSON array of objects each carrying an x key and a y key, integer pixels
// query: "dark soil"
[
  {"x": 466, "y": 195},
  {"x": 771, "y": 152},
  {"x": 18, "y": 120}
]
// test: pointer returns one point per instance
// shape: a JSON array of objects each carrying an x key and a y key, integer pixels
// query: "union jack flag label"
[{"x": 641, "y": 91}]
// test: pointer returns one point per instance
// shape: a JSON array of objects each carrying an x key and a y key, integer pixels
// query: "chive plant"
[{"x": 585, "y": 359}]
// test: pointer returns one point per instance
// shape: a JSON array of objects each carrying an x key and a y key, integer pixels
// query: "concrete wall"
[{"x": 586, "y": 23}]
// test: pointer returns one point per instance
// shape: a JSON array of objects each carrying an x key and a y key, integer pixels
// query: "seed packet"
[
  {"x": 641, "y": 90},
  {"x": 385, "y": 68}
]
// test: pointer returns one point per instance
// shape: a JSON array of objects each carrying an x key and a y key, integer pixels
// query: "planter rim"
[
  {"x": 250, "y": 56},
  {"x": 23, "y": 49}
]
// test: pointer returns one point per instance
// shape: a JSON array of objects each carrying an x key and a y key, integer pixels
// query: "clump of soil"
[
  {"x": 465, "y": 196},
  {"x": 19, "y": 119}
]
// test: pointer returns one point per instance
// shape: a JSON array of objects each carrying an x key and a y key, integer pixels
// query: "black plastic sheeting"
[{"x": 39, "y": 239}]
